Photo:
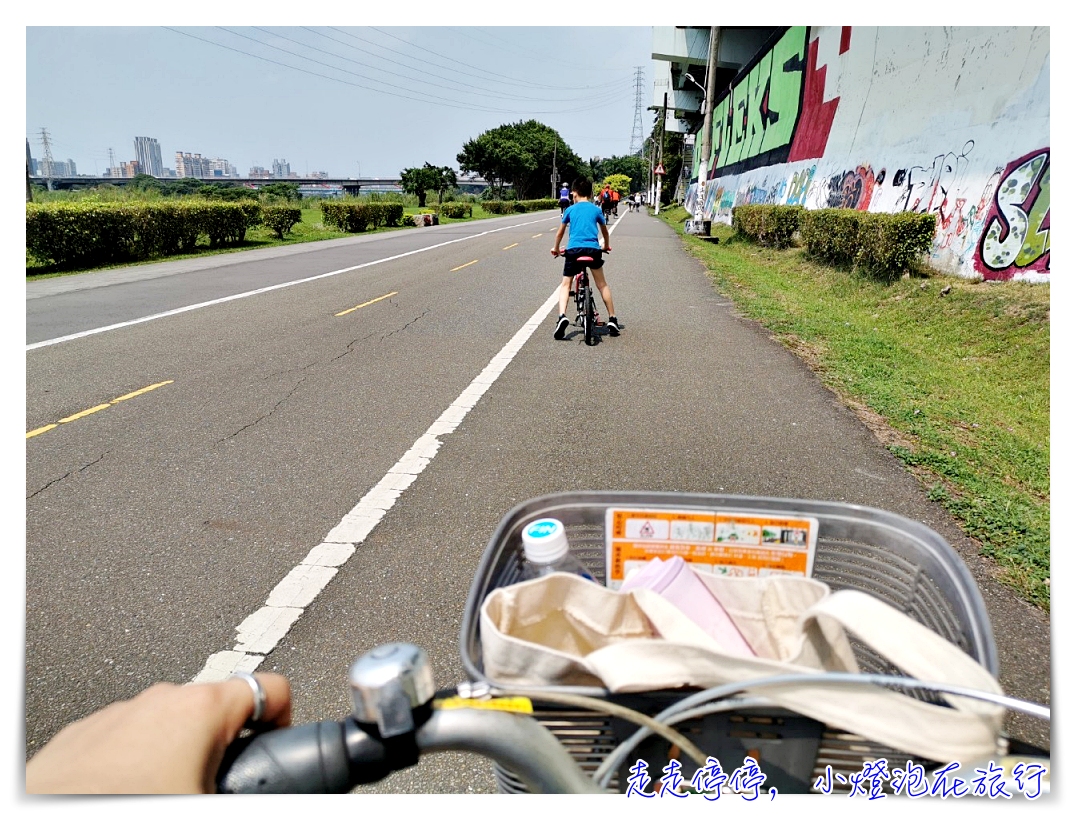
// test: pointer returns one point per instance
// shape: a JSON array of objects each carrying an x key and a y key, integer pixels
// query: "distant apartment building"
[
  {"x": 191, "y": 165},
  {"x": 60, "y": 168},
  {"x": 195, "y": 165},
  {"x": 257, "y": 172},
  {"x": 148, "y": 156},
  {"x": 221, "y": 168},
  {"x": 129, "y": 170},
  {"x": 281, "y": 169}
]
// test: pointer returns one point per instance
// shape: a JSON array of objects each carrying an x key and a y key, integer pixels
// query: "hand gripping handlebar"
[{"x": 392, "y": 726}]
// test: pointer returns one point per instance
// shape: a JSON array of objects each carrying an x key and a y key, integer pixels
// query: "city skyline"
[{"x": 328, "y": 99}]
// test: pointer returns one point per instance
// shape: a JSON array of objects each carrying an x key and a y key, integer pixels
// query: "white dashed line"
[{"x": 261, "y": 631}]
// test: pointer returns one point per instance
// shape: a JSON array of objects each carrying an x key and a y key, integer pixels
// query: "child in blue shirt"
[{"x": 583, "y": 220}]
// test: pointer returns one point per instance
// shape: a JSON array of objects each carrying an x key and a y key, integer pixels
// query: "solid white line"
[
  {"x": 261, "y": 631},
  {"x": 235, "y": 296}
]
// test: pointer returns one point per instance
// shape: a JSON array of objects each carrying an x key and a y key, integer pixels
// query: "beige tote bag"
[{"x": 563, "y": 630}]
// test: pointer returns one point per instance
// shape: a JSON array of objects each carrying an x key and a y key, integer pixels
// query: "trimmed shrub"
[
  {"x": 355, "y": 216},
  {"x": 882, "y": 245},
  {"x": 457, "y": 210},
  {"x": 90, "y": 234},
  {"x": 516, "y": 206},
  {"x": 281, "y": 218},
  {"x": 770, "y": 225}
]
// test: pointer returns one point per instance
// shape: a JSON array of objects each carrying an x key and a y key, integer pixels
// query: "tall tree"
[
  {"x": 418, "y": 181},
  {"x": 521, "y": 154}
]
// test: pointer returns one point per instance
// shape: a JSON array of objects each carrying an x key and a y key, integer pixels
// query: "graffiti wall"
[{"x": 953, "y": 121}]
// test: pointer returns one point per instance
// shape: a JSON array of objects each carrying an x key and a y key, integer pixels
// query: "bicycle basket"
[{"x": 902, "y": 562}]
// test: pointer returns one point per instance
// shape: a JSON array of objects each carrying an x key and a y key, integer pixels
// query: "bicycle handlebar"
[{"x": 333, "y": 757}]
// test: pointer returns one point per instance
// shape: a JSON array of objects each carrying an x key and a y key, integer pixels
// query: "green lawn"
[{"x": 958, "y": 386}]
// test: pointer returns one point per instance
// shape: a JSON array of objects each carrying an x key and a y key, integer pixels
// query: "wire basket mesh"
[{"x": 902, "y": 562}]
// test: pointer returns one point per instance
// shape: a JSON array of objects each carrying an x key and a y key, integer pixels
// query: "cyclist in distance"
[
  {"x": 565, "y": 199},
  {"x": 583, "y": 220},
  {"x": 606, "y": 197}
]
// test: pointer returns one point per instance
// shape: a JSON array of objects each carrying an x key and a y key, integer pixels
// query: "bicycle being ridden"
[{"x": 583, "y": 221}]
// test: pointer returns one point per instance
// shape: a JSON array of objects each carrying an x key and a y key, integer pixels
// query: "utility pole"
[
  {"x": 661, "y": 154},
  {"x": 554, "y": 176},
  {"x": 707, "y": 119},
  {"x": 111, "y": 163}
]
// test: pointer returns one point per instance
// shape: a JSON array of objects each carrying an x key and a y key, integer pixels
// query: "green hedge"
[
  {"x": 456, "y": 210},
  {"x": 281, "y": 218},
  {"x": 87, "y": 234},
  {"x": 356, "y": 217},
  {"x": 882, "y": 245},
  {"x": 772, "y": 225},
  {"x": 518, "y": 206}
]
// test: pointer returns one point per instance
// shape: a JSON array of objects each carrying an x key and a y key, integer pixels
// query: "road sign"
[{"x": 660, "y": 170}]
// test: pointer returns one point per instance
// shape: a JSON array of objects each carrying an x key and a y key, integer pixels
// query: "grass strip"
[{"x": 957, "y": 385}]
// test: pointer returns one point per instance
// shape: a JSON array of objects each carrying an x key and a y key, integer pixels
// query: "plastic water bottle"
[{"x": 545, "y": 549}]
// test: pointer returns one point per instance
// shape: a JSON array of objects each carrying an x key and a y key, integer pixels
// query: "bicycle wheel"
[{"x": 589, "y": 335}]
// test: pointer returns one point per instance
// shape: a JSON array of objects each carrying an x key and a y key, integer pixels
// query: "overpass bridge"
[{"x": 350, "y": 186}]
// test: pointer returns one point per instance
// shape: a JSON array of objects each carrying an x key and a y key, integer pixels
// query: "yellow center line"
[
  {"x": 96, "y": 409},
  {"x": 140, "y": 392},
  {"x": 461, "y": 267},
  {"x": 510, "y": 246},
  {"x": 364, "y": 304},
  {"x": 90, "y": 410}
]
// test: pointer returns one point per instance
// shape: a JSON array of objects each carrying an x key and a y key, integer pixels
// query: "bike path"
[{"x": 691, "y": 397}]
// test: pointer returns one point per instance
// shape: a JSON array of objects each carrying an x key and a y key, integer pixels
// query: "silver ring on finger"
[{"x": 259, "y": 695}]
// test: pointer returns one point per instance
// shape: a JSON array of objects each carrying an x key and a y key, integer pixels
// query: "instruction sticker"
[{"x": 726, "y": 542}]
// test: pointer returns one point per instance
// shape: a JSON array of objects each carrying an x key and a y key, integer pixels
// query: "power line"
[
  {"x": 502, "y": 80},
  {"x": 498, "y": 77},
  {"x": 434, "y": 101},
  {"x": 425, "y": 80}
]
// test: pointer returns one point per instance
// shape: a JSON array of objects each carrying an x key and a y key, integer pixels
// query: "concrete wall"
[{"x": 950, "y": 121}]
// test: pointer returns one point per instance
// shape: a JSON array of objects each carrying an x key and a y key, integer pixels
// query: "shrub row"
[
  {"x": 355, "y": 217},
  {"x": 86, "y": 234},
  {"x": 772, "y": 225},
  {"x": 883, "y": 245},
  {"x": 456, "y": 210},
  {"x": 518, "y": 206}
]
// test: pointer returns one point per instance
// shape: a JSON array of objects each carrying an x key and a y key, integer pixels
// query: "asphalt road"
[{"x": 157, "y": 524}]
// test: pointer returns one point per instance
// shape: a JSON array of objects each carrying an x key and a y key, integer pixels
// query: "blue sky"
[{"x": 341, "y": 99}]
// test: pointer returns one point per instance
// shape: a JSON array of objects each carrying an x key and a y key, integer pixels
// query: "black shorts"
[{"x": 572, "y": 265}]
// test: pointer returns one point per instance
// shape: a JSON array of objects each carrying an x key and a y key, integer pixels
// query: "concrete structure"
[
  {"x": 953, "y": 121},
  {"x": 680, "y": 55},
  {"x": 191, "y": 165},
  {"x": 148, "y": 154},
  {"x": 281, "y": 169}
]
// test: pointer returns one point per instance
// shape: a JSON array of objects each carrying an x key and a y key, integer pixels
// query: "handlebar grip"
[{"x": 308, "y": 759}]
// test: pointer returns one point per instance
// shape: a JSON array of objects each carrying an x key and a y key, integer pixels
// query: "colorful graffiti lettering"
[
  {"x": 762, "y": 192},
  {"x": 852, "y": 189},
  {"x": 799, "y": 185},
  {"x": 1016, "y": 234},
  {"x": 757, "y": 119}
]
